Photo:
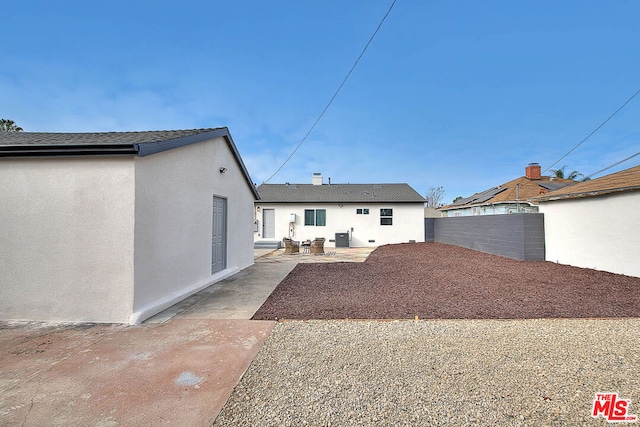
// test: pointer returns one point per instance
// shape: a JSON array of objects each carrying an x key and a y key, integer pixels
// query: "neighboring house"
[
  {"x": 114, "y": 227},
  {"x": 432, "y": 213},
  {"x": 356, "y": 215},
  {"x": 508, "y": 198},
  {"x": 595, "y": 224}
]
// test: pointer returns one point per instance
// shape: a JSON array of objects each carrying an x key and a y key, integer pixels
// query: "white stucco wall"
[
  {"x": 408, "y": 223},
  {"x": 173, "y": 211},
  {"x": 66, "y": 233},
  {"x": 602, "y": 233}
]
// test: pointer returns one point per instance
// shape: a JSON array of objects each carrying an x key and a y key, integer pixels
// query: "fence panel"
[{"x": 518, "y": 236}]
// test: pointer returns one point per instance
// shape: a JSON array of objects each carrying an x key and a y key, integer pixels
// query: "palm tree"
[
  {"x": 559, "y": 173},
  {"x": 9, "y": 126}
]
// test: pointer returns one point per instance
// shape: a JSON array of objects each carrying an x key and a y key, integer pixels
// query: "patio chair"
[
  {"x": 317, "y": 246},
  {"x": 290, "y": 247}
]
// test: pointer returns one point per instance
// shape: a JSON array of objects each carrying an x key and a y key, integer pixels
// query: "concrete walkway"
[
  {"x": 178, "y": 368},
  {"x": 242, "y": 294}
]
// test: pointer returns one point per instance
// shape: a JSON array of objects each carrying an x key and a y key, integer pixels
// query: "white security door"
[
  {"x": 268, "y": 223},
  {"x": 219, "y": 235}
]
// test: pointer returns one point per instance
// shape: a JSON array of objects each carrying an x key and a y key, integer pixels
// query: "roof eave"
[
  {"x": 140, "y": 149},
  {"x": 148, "y": 148},
  {"x": 501, "y": 202},
  {"x": 341, "y": 201},
  {"x": 68, "y": 150},
  {"x": 224, "y": 132},
  {"x": 585, "y": 194}
]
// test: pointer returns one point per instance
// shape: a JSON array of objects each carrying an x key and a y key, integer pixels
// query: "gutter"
[
  {"x": 68, "y": 150},
  {"x": 133, "y": 149}
]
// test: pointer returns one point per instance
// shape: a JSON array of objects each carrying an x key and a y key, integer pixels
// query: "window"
[
  {"x": 362, "y": 211},
  {"x": 386, "y": 216},
  {"x": 309, "y": 216},
  {"x": 358, "y": 211},
  {"x": 317, "y": 217}
]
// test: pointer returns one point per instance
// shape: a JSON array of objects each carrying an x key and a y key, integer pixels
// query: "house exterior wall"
[
  {"x": 66, "y": 233},
  {"x": 518, "y": 236},
  {"x": 174, "y": 213},
  {"x": 408, "y": 223},
  {"x": 602, "y": 233}
]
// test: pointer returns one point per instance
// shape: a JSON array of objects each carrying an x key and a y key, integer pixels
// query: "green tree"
[
  {"x": 457, "y": 199},
  {"x": 9, "y": 126},
  {"x": 560, "y": 173}
]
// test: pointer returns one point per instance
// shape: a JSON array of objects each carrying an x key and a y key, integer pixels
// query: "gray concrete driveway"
[{"x": 178, "y": 368}]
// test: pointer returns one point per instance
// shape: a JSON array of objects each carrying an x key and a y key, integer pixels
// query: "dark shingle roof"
[
  {"x": 339, "y": 193},
  {"x": 41, "y": 144},
  {"x": 96, "y": 138},
  {"x": 46, "y": 144}
]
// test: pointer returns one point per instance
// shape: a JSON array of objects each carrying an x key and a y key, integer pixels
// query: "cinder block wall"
[{"x": 517, "y": 236}]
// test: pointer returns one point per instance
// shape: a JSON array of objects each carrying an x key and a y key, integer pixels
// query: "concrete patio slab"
[{"x": 176, "y": 373}]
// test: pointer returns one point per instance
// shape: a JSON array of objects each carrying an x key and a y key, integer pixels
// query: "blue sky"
[{"x": 459, "y": 94}]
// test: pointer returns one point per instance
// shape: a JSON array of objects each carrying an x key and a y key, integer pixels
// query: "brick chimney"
[
  {"x": 316, "y": 179},
  {"x": 532, "y": 171}
]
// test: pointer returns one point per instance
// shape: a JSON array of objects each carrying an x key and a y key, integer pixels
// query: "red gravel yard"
[{"x": 437, "y": 281}]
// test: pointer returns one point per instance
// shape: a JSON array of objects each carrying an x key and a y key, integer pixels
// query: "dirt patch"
[{"x": 437, "y": 281}]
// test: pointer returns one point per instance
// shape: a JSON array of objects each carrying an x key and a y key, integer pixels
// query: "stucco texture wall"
[
  {"x": 602, "y": 233},
  {"x": 66, "y": 227},
  {"x": 517, "y": 236},
  {"x": 173, "y": 211},
  {"x": 408, "y": 223}
]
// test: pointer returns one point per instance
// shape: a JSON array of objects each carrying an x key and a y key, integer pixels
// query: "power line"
[
  {"x": 594, "y": 131},
  {"x": 335, "y": 94},
  {"x": 610, "y": 166}
]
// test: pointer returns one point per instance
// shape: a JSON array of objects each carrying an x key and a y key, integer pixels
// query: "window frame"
[
  {"x": 386, "y": 216},
  {"x": 315, "y": 217},
  {"x": 309, "y": 217}
]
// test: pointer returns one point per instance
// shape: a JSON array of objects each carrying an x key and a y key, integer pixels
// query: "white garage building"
[
  {"x": 595, "y": 224},
  {"x": 115, "y": 227}
]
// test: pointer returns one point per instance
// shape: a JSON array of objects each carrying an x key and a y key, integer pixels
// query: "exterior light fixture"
[{"x": 223, "y": 170}]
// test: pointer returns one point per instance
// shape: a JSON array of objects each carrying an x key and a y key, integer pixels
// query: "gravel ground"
[
  {"x": 438, "y": 281},
  {"x": 438, "y": 372}
]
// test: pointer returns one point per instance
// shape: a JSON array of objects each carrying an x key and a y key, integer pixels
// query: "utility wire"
[
  {"x": 615, "y": 164},
  {"x": 335, "y": 94},
  {"x": 594, "y": 131}
]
